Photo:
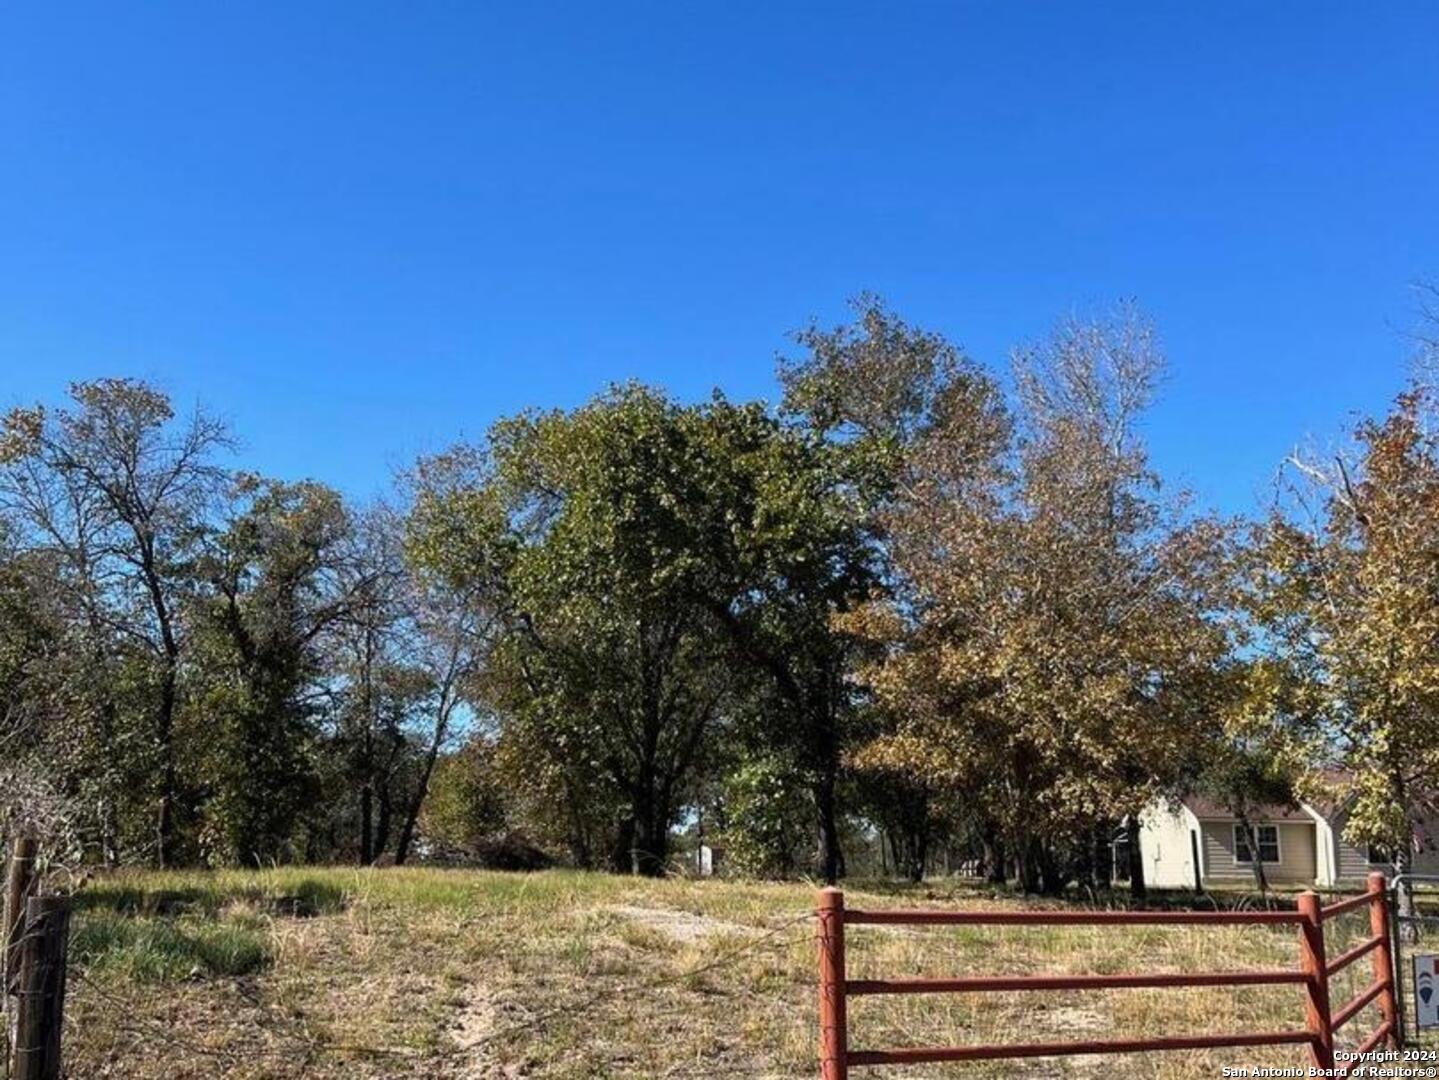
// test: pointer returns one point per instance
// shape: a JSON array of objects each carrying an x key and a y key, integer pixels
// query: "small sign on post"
[{"x": 1426, "y": 990}]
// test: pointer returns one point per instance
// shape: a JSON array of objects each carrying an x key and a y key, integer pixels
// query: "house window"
[
  {"x": 1376, "y": 854},
  {"x": 1268, "y": 837}
]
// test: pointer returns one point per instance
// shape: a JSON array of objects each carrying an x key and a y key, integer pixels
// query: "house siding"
[
  {"x": 1166, "y": 848},
  {"x": 1325, "y": 851},
  {"x": 1354, "y": 864},
  {"x": 1296, "y": 852}
]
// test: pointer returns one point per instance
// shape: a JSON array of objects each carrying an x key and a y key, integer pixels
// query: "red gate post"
[
  {"x": 833, "y": 1033},
  {"x": 1311, "y": 956},
  {"x": 1383, "y": 960}
]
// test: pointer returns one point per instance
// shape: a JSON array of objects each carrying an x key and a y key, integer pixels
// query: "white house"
[{"x": 1196, "y": 842}]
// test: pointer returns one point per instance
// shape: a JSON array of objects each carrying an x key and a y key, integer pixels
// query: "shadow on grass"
[
  {"x": 132, "y": 900},
  {"x": 300, "y": 899}
]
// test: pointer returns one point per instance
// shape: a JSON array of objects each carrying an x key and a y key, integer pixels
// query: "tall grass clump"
[{"x": 167, "y": 950}]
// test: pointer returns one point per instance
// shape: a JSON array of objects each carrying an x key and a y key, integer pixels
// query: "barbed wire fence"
[{"x": 294, "y": 1041}]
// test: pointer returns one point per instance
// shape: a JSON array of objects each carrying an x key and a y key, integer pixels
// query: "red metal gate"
[{"x": 1313, "y": 974}]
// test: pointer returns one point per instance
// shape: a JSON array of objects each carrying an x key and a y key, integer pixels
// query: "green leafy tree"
[
  {"x": 113, "y": 488},
  {"x": 468, "y": 800},
  {"x": 789, "y": 548},
  {"x": 892, "y": 418},
  {"x": 37, "y": 760},
  {"x": 582, "y": 527},
  {"x": 270, "y": 593},
  {"x": 767, "y": 816}
]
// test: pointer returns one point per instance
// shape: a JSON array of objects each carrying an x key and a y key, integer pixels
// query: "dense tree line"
[{"x": 915, "y": 615}]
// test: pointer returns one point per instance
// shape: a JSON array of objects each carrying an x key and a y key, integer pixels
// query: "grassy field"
[{"x": 433, "y": 973}]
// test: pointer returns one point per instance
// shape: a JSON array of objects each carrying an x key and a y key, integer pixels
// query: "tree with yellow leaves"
[
  {"x": 1345, "y": 595},
  {"x": 1054, "y": 651}
]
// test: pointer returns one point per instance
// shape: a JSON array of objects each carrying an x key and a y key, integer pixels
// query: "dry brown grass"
[{"x": 401, "y": 973}]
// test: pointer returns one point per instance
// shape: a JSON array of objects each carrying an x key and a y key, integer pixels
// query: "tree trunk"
[
  {"x": 1404, "y": 898},
  {"x": 651, "y": 853},
  {"x": 165, "y": 725},
  {"x": 382, "y": 823},
  {"x": 996, "y": 862},
  {"x": 366, "y": 821},
  {"x": 580, "y": 849},
  {"x": 109, "y": 840},
  {"x": 1138, "y": 890},
  {"x": 366, "y": 770},
  {"x": 828, "y": 827},
  {"x": 1051, "y": 874},
  {"x": 1028, "y": 876},
  {"x": 165, "y": 720},
  {"x": 1404, "y": 907},
  {"x": 422, "y": 789},
  {"x": 650, "y": 846},
  {"x": 1403, "y": 866},
  {"x": 622, "y": 853},
  {"x": 916, "y": 853},
  {"x": 1256, "y": 864},
  {"x": 109, "y": 831},
  {"x": 1084, "y": 869},
  {"x": 1103, "y": 855},
  {"x": 412, "y": 813},
  {"x": 580, "y": 853},
  {"x": 1027, "y": 864}
]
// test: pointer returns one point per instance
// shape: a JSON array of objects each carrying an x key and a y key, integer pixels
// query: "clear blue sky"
[{"x": 362, "y": 230}]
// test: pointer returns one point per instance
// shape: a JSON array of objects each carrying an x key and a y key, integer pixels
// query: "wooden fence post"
[
  {"x": 833, "y": 1034},
  {"x": 17, "y": 891},
  {"x": 41, "y": 1014},
  {"x": 1383, "y": 958},
  {"x": 19, "y": 883},
  {"x": 1311, "y": 956}
]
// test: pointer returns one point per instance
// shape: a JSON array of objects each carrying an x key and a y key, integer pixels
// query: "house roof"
[{"x": 1208, "y": 809}]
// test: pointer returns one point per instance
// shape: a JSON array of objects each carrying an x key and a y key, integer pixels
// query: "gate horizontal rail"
[
  {"x": 1364, "y": 948},
  {"x": 1352, "y": 904},
  {"x": 923, "y": 917},
  {"x": 1356, "y": 1005},
  {"x": 857, "y": 987},
  {"x": 1382, "y": 1032},
  {"x": 927, "y": 1056},
  {"x": 1313, "y": 974}
]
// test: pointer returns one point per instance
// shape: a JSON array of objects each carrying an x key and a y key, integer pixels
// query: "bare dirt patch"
[
  {"x": 477, "y": 1027},
  {"x": 682, "y": 926}
]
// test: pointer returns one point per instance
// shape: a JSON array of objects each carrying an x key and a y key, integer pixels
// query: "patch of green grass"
[{"x": 151, "y": 949}]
